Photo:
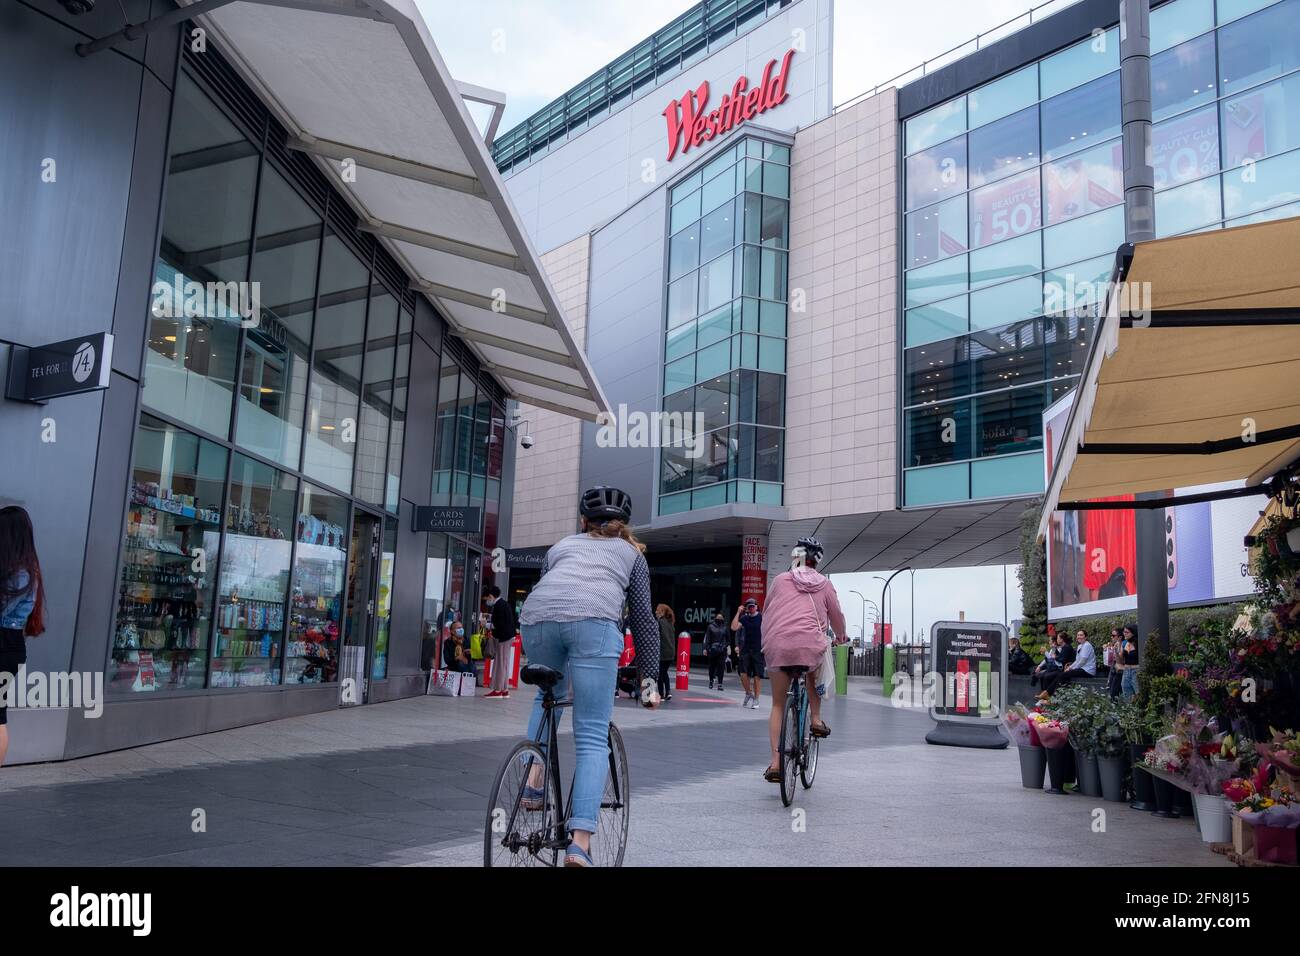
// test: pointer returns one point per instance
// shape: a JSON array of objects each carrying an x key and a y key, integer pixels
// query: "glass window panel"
[
  {"x": 319, "y": 565},
  {"x": 200, "y": 292},
  {"x": 682, "y": 299},
  {"x": 1078, "y": 286},
  {"x": 1014, "y": 475},
  {"x": 768, "y": 457},
  {"x": 332, "y": 405},
  {"x": 1183, "y": 77},
  {"x": 1081, "y": 117},
  {"x": 1005, "y": 209},
  {"x": 716, "y": 192},
  {"x": 936, "y": 232},
  {"x": 715, "y": 326},
  {"x": 1084, "y": 182},
  {"x": 936, "y": 125},
  {"x": 254, "y": 581},
  {"x": 776, "y": 153},
  {"x": 1185, "y": 147},
  {"x": 939, "y": 433},
  {"x": 713, "y": 401},
  {"x": 776, "y": 223},
  {"x": 936, "y": 173},
  {"x": 1268, "y": 215},
  {"x": 685, "y": 211},
  {"x": 465, "y": 449},
  {"x": 1066, "y": 339},
  {"x": 745, "y": 492},
  {"x": 937, "y": 281},
  {"x": 717, "y": 232},
  {"x": 708, "y": 497},
  {"x": 768, "y": 494},
  {"x": 397, "y": 434},
  {"x": 776, "y": 180},
  {"x": 1009, "y": 422},
  {"x": 1008, "y": 302},
  {"x": 1177, "y": 22},
  {"x": 684, "y": 251},
  {"x": 674, "y": 469},
  {"x": 1275, "y": 181},
  {"x": 675, "y": 504},
  {"x": 713, "y": 360},
  {"x": 1187, "y": 207},
  {"x": 384, "y": 601},
  {"x": 771, "y": 318},
  {"x": 1262, "y": 122},
  {"x": 925, "y": 486},
  {"x": 1003, "y": 148},
  {"x": 771, "y": 354},
  {"x": 715, "y": 283},
  {"x": 1229, "y": 10},
  {"x": 759, "y": 400},
  {"x": 936, "y": 371},
  {"x": 1003, "y": 97},
  {"x": 1006, "y": 260},
  {"x": 716, "y": 463},
  {"x": 1005, "y": 357},
  {"x": 445, "y": 450},
  {"x": 164, "y": 607},
  {"x": 939, "y": 321},
  {"x": 681, "y": 341},
  {"x": 772, "y": 284},
  {"x": 1259, "y": 47},
  {"x": 753, "y": 225},
  {"x": 686, "y": 186},
  {"x": 1086, "y": 236},
  {"x": 750, "y": 177},
  {"x": 754, "y": 147},
  {"x": 377, "y": 397},
  {"x": 273, "y": 390},
  {"x": 1076, "y": 65},
  {"x": 749, "y": 351},
  {"x": 722, "y": 162},
  {"x": 749, "y": 315}
]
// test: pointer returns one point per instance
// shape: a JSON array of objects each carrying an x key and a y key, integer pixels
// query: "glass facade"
[
  {"x": 1014, "y": 209},
  {"x": 273, "y": 425},
  {"x": 725, "y": 317}
]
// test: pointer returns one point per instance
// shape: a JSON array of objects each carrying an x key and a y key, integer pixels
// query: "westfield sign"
[{"x": 691, "y": 122}]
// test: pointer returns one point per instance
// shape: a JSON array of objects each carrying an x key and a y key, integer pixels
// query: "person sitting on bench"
[
  {"x": 1018, "y": 660},
  {"x": 1084, "y": 664}
]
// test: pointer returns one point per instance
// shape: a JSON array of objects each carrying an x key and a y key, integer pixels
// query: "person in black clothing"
[
  {"x": 503, "y": 632},
  {"x": 717, "y": 640},
  {"x": 748, "y": 625},
  {"x": 455, "y": 655},
  {"x": 1018, "y": 660},
  {"x": 667, "y": 646}
]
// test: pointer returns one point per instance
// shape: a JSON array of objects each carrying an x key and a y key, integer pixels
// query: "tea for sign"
[{"x": 690, "y": 122}]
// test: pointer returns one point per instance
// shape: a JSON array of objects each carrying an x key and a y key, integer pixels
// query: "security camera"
[
  {"x": 526, "y": 441},
  {"x": 78, "y": 7}
]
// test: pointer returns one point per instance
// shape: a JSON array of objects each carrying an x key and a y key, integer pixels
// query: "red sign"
[
  {"x": 691, "y": 122},
  {"x": 883, "y": 638},
  {"x": 753, "y": 568},
  {"x": 1004, "y": 210}
]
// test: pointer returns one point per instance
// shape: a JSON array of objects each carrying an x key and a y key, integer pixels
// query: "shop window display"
[
  {"x": 316, "y": 609},
  {"x": 173, "y": 527}
]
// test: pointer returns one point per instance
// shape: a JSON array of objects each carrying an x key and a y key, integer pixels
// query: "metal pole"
[
  {"x": 1140, "y": 226},
  {"x": 884, "y": 593}
]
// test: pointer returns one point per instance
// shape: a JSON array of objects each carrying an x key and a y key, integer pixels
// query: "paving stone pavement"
[{"x": 405, "y": 784}]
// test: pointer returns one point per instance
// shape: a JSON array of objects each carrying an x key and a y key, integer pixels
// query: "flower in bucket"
[
  {"x": 1018, "y": 726},
  {"x": 1053, "y": 734}
]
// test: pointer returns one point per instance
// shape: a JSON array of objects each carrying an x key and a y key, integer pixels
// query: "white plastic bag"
[{"x": 824, "y": 682}]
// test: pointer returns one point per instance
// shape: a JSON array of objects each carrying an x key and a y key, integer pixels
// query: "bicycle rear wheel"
[
  {"x": 809, "y": 768},
  {"x": 789, "y": 748},
  {"x": 516, "y": 834},
  {"x": 609, "y": 842}
]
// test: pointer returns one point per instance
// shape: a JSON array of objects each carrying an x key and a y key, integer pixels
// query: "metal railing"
[
  {"x": 999, "y": 32},
  {"x": 870, "y": 661}
]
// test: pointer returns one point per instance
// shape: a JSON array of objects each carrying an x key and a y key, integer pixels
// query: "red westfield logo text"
[{"x": 690, "y": 122}]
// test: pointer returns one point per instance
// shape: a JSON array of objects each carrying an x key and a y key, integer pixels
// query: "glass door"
[{"x": 363, "y": 565}]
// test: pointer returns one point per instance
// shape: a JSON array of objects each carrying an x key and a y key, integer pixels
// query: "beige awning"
[
  {"x": 1194, "y": 377},
  {"x": 361, "y": 82}
]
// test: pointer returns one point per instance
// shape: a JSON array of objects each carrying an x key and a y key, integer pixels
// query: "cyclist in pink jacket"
[{"x": 800, "y": 604}]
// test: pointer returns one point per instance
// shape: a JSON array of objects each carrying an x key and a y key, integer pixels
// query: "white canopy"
[{"x": 361, "y": 80}]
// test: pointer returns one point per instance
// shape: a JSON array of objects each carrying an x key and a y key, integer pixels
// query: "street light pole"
[
  {"x": 865, "y": 602},
  {"x": 884, "y": 592}
]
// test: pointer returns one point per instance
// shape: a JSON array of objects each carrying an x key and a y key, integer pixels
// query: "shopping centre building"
[{"x": 868, "y": 305}]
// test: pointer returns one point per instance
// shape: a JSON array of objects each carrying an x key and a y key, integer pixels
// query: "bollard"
[
  {"x": 683, "y": 660},
  {"x": 887, "y": 671},
  {"x": 841, "y": 653}
]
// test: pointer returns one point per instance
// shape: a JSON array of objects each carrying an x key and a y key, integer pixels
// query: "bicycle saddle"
[{"x": 540, "y": 675}]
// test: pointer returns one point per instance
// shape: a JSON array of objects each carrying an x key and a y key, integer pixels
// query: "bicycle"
[
  {"x": 798, "y": 746},
  {"x": 520, "y": 832}
]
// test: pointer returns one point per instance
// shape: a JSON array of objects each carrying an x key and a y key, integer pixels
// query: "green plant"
[
  {"x": 1165, "y": 694},
  {"x": 1032, "y": 574},
  {"x": 1130, "y": 720},
  {"x": 1154, "y": 663},
  {"x": 1083, "y": 710}
]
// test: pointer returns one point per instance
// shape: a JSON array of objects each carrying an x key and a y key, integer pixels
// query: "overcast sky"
[{"x": 535, "y": 50}]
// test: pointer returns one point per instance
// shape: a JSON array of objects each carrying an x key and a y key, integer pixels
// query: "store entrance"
[{"x": 363, "y": 564}]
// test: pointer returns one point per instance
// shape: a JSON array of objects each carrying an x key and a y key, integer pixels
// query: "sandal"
[
  {"x": 821, "y": 729},
  {"x": 772, "y": 775}
]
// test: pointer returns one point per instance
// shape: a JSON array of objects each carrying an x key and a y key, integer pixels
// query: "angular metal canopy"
[
  {"x": 361, "y": 87},
  {"x": 1201, "y": 384}
]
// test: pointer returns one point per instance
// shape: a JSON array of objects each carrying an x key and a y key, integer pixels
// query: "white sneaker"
[
  {"x": 754, "y": 705},
  {"x": 747, "y": 700}
]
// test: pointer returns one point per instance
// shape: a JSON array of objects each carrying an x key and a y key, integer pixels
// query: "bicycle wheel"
[
  {"x": 809, "y": 768},
  {"x": 789, "y": 748},
  {"x": 515, "y": 835},
  {"x": 609, "y": 842}
]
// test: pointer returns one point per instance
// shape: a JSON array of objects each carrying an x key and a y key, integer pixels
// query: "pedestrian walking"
[
  {"x": 22, "y": 600},
  {"x": 667, "y": 646},
  {"x": 717, "y": 641},
  {"x": 503, "y": 633},
  {"x": 749, "y": 623}
]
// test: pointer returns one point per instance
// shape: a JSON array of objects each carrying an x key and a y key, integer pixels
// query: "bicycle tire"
[
  {"x": 609, "y": 842},
  {"x": 811, "y": 747},
  {"x": 788, "y": 752},
  {"x": 512, "y": 835}
]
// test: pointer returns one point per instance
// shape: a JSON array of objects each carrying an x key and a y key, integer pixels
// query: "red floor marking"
[{"x": 706, "y": 700}]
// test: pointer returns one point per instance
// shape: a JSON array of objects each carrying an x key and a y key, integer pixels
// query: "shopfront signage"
[
  {"x": 70, "y": 367},
  {"x": 970, "y": 671},
  {"x": 455, "y": 520},
  {"x": 753, "y": 568},
  {"x": 526, "y": 558},
  {"x": 691, "y": 122}
]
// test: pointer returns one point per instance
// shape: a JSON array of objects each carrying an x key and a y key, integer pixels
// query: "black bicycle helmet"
[
  {"x": 812, "y": 548},
  {"x": 604, "y": 503}
]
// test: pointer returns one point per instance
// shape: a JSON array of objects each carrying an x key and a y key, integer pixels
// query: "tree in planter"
[{"x": 1155, "y": 663}]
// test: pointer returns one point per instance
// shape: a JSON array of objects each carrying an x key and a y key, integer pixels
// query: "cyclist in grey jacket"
[{"x": 570, "y": 622}]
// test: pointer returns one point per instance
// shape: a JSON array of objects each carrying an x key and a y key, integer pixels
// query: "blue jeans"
[
  {"x": 1128, "y": 682},
  {"x": 587, "y": 653}
]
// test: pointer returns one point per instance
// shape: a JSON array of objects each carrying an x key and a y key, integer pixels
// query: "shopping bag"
[
  {"x": 825, "y": 679},
  {"x": 445, "y": 683},
  {"x": 476, "y": 646}
]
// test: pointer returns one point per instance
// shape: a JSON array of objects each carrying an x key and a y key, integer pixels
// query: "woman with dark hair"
[
  {"x": 1128, "y": 662},
  {"x": 667, "y": 646},
  {"x": 22, "y": 600}
]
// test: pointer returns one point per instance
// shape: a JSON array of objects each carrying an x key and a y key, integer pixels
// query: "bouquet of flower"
[
  {"x": 1164, "y": 759},
  {"x": 1273, "y": 808},
  {"x": 1214, "y": 765},
  {"x": 1283, "y": 751},
  {"x": 1052, "y": 734},
  {"x": 1018, "y": 726}
]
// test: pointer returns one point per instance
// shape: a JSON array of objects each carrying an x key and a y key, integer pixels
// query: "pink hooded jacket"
[{"x": 800, "y": 604}]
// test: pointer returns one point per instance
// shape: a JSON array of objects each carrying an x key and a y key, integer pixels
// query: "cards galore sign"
[{"x": 691, "y": 122}]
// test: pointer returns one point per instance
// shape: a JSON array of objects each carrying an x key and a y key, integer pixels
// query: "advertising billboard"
[{"x": 1092, "y": 555}]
